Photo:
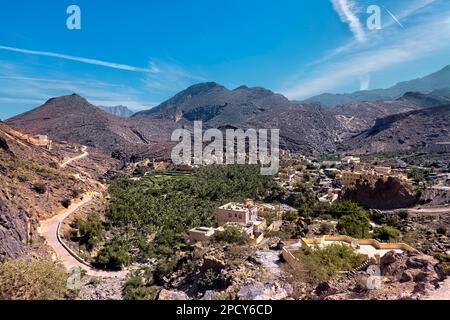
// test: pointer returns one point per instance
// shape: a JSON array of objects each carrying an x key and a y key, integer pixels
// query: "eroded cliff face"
[
  {"x": 382, "y": 194},
  {"x": 15, "y": 230}
]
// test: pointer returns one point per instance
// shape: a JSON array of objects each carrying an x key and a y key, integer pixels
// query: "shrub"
[
  {"x": 90, "y": 231},
  {"x": 209, "y": 280},
  {"x": 162, "y": 269},
  {"x": 232, "y": 235},
  {"x": 404, "y": 215},
  {"x": 135, "y": 289},
  {"x": 113, "y": 256},
  {"x": 66, "y": 203},
  {"x": 441, "y": 230},
  {"x": 290, "y": 216},
  {"x": 342, "y": 208},
  {"x": 32, "y": 280},
  {"x": 326, "y": 228},
  {"x": 40, "y": 188},
  {"x": 320, "y": 264},
  {"x": 355, "y": 224},
  {"x": 76, "y": 193},
  {"x": 386, "y": 233}
]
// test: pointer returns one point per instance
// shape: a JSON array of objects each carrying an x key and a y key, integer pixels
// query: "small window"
[
  {"x": 240, "y": 216},
  {"x": 229, "y": 215}
]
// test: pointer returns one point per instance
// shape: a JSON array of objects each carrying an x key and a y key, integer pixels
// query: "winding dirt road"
[
  {"x": 50, "y": 231},
  {"x": 81, "y": 156}
]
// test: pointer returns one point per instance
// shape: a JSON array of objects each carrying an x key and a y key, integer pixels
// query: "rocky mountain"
[
  {"x": 305, "y": 128},
  {"x": 216, "y": 105},
  {"x": 73, "y": 119},
  {"x": 424, "y": 130},
  {"x": 353, "y": 118},
  {"x": 435, "y": 81},
  {"x": 120, "y": 111}
]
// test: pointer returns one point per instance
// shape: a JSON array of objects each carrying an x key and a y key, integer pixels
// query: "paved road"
[
  {"x": 50, "y": 232},
  {"x": 81, "y": 156},
  {"x": 443, "y": 293},
  {"x": 430, "y": 210},
  {"x": 50, "y": 229}
]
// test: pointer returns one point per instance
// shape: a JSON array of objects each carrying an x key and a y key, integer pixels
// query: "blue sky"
[{"x": 139, "y": 53}]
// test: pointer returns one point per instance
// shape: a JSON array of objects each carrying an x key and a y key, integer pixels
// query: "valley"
[{"x": 97, "y": 190}]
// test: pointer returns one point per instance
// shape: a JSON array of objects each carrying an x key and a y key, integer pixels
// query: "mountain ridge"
[{"x": 435, "y": 81}]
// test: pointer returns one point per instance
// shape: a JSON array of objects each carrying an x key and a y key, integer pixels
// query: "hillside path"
[
  {"x": 81, "y": 156},
  {"x": 50, "y": 231}
]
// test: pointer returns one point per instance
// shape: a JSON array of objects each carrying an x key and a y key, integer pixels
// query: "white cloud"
[
  {"x": 81, "y": 59},
  {"x": 345, "y": 9},
  {"x": 170, "y": 77},
  {"x": 390, "y": 47},
  {"x": 18, "y": 89}
]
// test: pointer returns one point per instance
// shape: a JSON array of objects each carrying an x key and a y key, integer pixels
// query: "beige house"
[
  {"x": 233, "y": 212},
  {"x": 349, "y": 178},
  {"x": 201, "y": 234}
]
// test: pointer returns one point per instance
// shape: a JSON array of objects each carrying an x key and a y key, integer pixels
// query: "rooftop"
[{"x": 234, "y": 206}]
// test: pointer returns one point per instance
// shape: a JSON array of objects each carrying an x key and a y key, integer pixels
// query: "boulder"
[
  {"x": 212, "y": 263},
  {"x": 406, "y": 276},
  {"x": 325, "y": 288},
  {"x": 172, "y": 295},
  {"x": 273, "y": 290},
  {"x": 421, "y": 262}
]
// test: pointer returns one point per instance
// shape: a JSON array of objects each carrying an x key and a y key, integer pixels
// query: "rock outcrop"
[
  {"x": 14, "y": 224},
  {"x": 172, "y": 295},
  {"x": 273, "y": 290},
  {"x": 383, "y": 194}
]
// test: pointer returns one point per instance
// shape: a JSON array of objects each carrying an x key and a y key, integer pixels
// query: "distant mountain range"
[
  {"x": 435, "y": 81},
  {"x": 120, "y": 111},
  {"x": 304, "y": 127}
]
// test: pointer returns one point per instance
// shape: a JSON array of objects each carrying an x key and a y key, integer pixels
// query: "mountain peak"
[
  {"x": 72, "y": 98},
  {"x": 202, "y": 87}
]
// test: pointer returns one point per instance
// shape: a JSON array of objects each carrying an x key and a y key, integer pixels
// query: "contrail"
[
  {"x": 393, "y": 17},
  {"x": 83, "y": 60},
  {"x": 344, "y": 9}
]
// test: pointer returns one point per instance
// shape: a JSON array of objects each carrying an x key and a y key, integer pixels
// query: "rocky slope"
[
  {"x": 427, "y": 84},
  {"x": 73, "y": 119},
  {"x": 32, "y": 187},
  {"x": 304, "y": 128},
  {"x": 404, "y": 276},
  {"x": 353, "y": 118},
  {"x": 424, "y": 130}
]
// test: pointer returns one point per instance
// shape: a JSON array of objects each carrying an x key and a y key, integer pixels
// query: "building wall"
[
  {"x": 236, "y": 216},
  {"x": 198, "y": 236},
  {"x": 223, "y": 216},
  {"x": 350, "y": 178}
]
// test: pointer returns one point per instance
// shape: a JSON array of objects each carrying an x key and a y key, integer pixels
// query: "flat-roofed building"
[
  {"x": 349, "y": 178},
  {"x": 237, "y": 213},
  {"x": 201, "y": 234},
  {"x": 383, "y": 170}
]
